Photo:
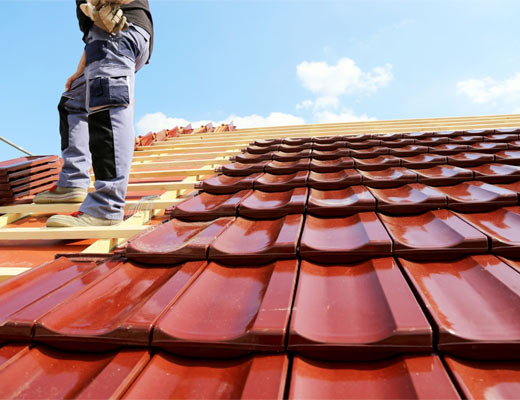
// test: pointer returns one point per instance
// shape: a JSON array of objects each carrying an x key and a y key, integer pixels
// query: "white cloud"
[
  {"x": 489, "y": 90},
  {"x": 273, "y": 119},
  {"x": 304, "y": 105},
  {"x": 346, "y": 115},
  {"x": 343, "y": 78},
  {"x": 158, "y": 121},
  {"x": 326, "y": 102}
]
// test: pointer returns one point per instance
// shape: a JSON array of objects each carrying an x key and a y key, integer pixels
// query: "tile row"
[
  {"x": 412, "y": 198},
  {"x": 362, "y": 311},
  {"x": 499, "y": 134},
  {"x": 366, "y": 149},
  {"x": 438, "y": 233},
  {"x": 440, "y": 175},
  {"x": 334, "y": 161},
  {"x": 140, "y": 374}
]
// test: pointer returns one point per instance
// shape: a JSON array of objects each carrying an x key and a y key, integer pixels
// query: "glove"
[
  {"x": 115, "y": 1},
  {"x": 108, "y": 17}
]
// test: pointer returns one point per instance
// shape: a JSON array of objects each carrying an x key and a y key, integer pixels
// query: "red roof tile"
[
  {"x": 362, "y": 311},
  {"x": 349, "y": 239},
  {"x": 485, "y": 379},
  {"x": 475, "y": 303},
  {"x": 437, "y": 233},
  {"x": 411, "y": 377}
]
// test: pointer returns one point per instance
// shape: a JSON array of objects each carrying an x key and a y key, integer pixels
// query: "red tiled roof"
[{"x": 368, "y": 266}]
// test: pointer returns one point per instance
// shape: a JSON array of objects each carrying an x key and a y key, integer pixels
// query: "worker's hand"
[
  {"x": 71, "y": 79},
  {"x": 108, "y": 17},
  {"x": 77, "y": 74}
]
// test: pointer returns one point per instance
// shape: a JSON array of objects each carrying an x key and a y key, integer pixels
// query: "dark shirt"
[{"x": 137, "y": 12}]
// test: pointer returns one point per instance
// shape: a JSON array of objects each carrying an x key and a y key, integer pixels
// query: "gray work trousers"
[{"x": 97, "y": 119}]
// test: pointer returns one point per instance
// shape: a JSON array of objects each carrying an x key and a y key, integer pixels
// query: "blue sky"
[{"x": 269, "y": 62}]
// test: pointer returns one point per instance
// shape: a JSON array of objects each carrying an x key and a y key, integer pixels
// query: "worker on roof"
[{"x": 96, "y": 112}]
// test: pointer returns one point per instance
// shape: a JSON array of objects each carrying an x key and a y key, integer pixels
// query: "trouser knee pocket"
[{"x": 108, "y": 91}]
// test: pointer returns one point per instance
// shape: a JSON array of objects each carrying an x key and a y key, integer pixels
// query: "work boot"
[
  {"x": 78, "y": 219},
  {"x": 58, "y": 194}
]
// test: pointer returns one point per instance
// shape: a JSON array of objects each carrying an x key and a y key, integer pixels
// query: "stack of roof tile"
[
  {"x": 23, "y": 177},
  {"x": 345, "y": 267}
]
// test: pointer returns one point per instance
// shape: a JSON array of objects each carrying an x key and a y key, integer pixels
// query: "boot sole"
[
  {"x": 61, "y": 221},
  {"x": 66, "y": 221},
  {"x": 64, "y": 198}
]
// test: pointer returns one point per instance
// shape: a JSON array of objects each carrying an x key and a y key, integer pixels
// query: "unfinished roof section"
[{"x": 366, "y": 260}]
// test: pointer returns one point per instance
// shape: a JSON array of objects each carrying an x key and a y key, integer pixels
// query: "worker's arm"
[{"x": 79, "y": 71}]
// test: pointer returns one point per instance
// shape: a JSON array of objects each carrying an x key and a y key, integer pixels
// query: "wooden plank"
[
  {"x": 171, "y": 173},
  {"x": 12, "y": 271},
  {"x": 9, "y": 218},
  {"x": 106, "y": 245},
  {"x": 213, "y": 154},
  {"x": 153, "y": 186},
  {"x": 167, "y": 165},
  {"x": 79, "y": 233},
  {"x": 65, "y": 208},
  {"x": 175, "y": 149}
]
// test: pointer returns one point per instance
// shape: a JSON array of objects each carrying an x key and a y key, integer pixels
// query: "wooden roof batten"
[{"x": 189, "y": 158}]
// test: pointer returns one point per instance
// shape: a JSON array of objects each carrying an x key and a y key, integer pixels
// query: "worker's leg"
[
  {"x": 74, "y": 178},
  {"x": 74, "y": 137},
  {"x": 112, "y": 61}
]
